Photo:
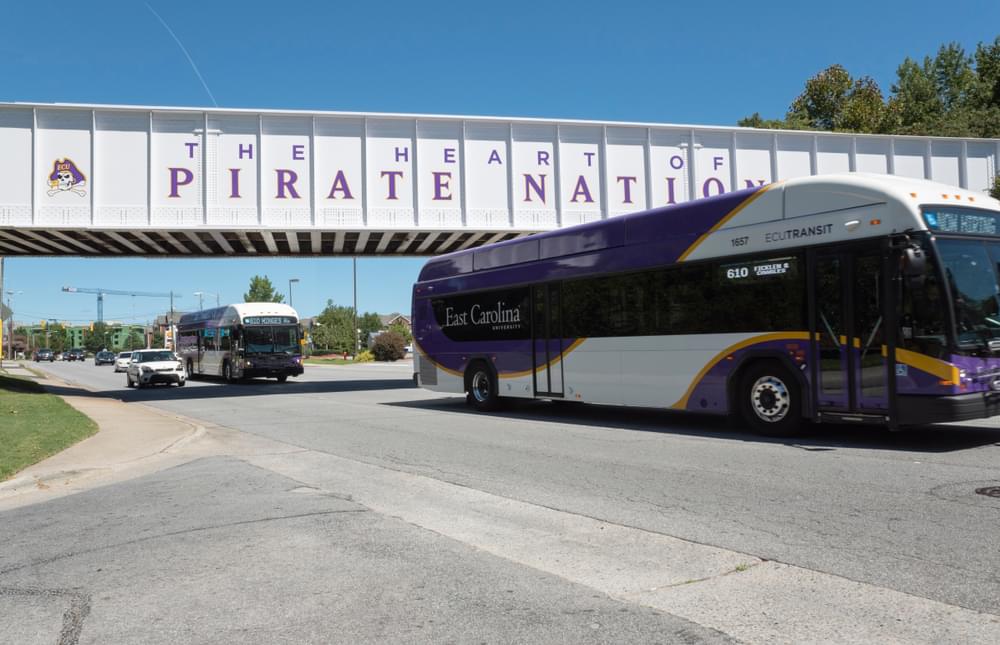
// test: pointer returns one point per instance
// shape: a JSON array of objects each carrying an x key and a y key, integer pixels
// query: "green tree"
[
  {"x": 333, "y": 329},
  {"x": 948, "y": 94},
  {"x": 97, "y": 339},
  {"x": 995, "y": 190},
  {"x": 822, "y": 101},
  {"x": 57, "y": 338},
  {"x": 403, "y": 331},
  {"x": 261, "y": 290},
  {"x": 369, "y": 323},
  {"x": 755, "y": 120}
]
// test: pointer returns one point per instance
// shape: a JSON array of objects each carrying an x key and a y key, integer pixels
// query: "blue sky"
[{"x": 699, "y": 63}]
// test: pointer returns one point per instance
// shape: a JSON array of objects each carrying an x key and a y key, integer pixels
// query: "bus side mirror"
[{"x": 914, "y": 266}]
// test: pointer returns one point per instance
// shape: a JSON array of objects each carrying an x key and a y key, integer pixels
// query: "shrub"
[
  {"x": 388, "y": 346},
  {"x": 364, "y": 357}
]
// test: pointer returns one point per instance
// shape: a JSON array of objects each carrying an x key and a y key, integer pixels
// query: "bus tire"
[
  {"x": 282, "y": 378},
  {"x": 769, "y": 399},
  {"x": 227, "y": 372},
  {"x": 481, "y": 388}
]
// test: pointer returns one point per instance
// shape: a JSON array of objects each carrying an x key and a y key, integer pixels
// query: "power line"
[{"x": 186, "y": 54}]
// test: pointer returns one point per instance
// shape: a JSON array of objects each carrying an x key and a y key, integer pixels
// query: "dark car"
[
  {"x": 75, "y": 354},
  {"x": 44, "y": 355},
  {"x": 104, "y": 357}
]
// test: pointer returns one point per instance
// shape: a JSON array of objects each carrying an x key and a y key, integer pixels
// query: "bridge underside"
[{"x": 22, "y": 241}]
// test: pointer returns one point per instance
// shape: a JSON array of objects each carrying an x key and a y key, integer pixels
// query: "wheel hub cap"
[
  {"x": 770, "y": 399},
  {"x": 481, "y": 387}
]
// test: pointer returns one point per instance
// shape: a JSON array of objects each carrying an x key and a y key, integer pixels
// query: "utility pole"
[
  {"x": 357, "y": 334},
  {"x": 290, "y": 281}
]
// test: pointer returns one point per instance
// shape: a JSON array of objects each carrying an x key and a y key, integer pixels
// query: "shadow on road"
[
  {"x": 234, "y": 390},
  {"x": 816, "y": 438}
]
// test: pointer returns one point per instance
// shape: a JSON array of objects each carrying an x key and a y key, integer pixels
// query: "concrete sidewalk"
[{"x": 132, "y": 440}]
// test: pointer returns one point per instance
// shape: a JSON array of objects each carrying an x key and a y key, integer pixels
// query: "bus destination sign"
[
  {"x": 269, "y": 320},
  {"x": 962, "y": 220}
]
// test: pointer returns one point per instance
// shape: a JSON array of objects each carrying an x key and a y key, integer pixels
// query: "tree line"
[{"x": 950, "y": 94}]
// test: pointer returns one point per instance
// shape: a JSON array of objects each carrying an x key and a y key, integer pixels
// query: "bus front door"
[
  {"x": 848, "y": 307},
  {"x": 547, "y": 341}
]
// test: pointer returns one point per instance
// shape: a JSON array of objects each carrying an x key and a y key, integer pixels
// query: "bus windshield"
[
  {"x": 277, "y": 339},
  {"x": 970, "y": 268}
]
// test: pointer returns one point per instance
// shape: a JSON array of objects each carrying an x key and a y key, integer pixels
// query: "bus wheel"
[
  {"x": 481, "y": 387},
  {"x": 227, "y": 372},
  {"x": 282, "y": 378},
  {"x": 769, "y": 399}
]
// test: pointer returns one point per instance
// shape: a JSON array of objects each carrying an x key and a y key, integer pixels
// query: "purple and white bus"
[
  {"x": 852, "y": 298},
  {"x": 241, "y": 341}
]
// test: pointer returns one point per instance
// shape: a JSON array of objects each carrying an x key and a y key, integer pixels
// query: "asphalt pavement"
[{"x": 856, "y": 514}]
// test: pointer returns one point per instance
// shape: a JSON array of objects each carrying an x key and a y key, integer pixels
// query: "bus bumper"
[
  {"x": 253, "y": 372},
  {"x": 920, "y": 410}
]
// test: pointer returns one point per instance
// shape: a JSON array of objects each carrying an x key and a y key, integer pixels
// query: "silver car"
[
  {"x": 122, "y": 361},
  {"x": 151, "y": 366}
]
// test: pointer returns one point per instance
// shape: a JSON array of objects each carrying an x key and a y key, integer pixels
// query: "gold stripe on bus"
[
  {"x": 941, "y": 369},
  {"x": 763, "y": 338},
  {"x": 722, "y": 222}
]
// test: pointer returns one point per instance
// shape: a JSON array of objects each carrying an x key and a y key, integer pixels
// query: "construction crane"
[{"x": 115, "y": 292}]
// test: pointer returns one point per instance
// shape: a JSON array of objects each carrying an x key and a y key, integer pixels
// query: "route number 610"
[{"x": 737, "y": 272}]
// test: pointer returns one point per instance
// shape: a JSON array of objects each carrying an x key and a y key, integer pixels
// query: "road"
[{"x": 896, "y": 512}]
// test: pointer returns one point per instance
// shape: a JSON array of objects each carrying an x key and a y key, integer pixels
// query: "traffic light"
[{"x": 91, "y": 326}]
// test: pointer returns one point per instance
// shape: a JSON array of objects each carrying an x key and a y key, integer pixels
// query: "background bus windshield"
[{"x": 282, "y": 339}]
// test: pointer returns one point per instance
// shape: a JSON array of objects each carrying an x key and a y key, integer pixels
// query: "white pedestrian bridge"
[{"x": 120, "y": 180}]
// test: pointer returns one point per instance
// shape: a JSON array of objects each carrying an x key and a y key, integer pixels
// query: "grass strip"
[
  {"x": 35, "y": 424},
  {"x": 328, "y": 361}
]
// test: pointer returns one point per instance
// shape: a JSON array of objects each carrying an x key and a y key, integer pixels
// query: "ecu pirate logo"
[{"x": 66, "y": 177}]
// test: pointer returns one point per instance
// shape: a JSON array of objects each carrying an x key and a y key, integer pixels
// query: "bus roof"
[
  {"x": 237, "y": 312},
  {"x": 679, "y": 232}
]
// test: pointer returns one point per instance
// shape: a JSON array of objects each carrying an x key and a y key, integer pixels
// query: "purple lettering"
[
  {"x": 539, "y": 187},
  {"x": 670, "y": 190},
  {"x": 712, "y": 181},
  {"x": 749, "y": 182},
  {"x": 286, "y": 181},
  {"x": 248, "y": 150},
  {"x": 581, "y": 189},
  {"x": 677, "y": 162},
  {"x": 442, "y": 183},
  {"x": 191, "y": 147},
  {"x": 590, "y": 158},
  {"x": 449, "y": 155},
  {"x": 234, "y": 183},
  {"x": 494, "y": 156},
  {"x": 543, "y": 158},
  {"x": 298, "y": 152},
  {"x": 340, "y": 184},
  {"x": 392, "y": 175},
  {"x": 402, "y": 153},
  {"x": 179, "y": 177},
  {"x": 627, "y": 184}
]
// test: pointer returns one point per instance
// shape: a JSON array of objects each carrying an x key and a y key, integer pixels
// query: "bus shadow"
[
  {"x": 235, "y": 390},
  {"x": 814, "y": 437}
]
